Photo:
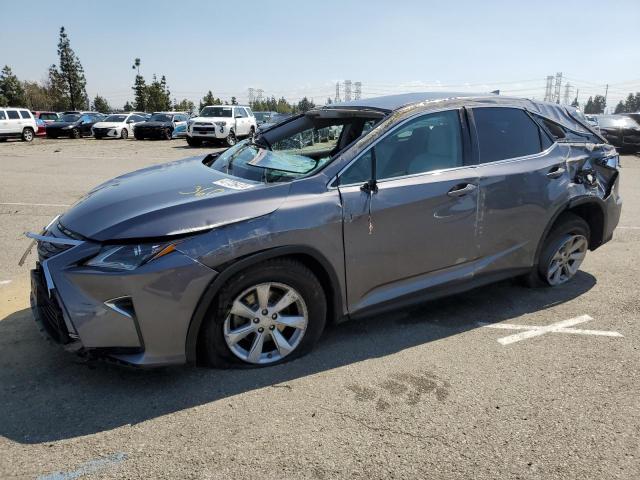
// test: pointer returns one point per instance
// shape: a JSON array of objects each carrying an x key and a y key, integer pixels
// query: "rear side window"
[
  {"x": 13, "y": 115},
  {"x": 505, "y": 133},
  {"x": 25, "y": 114},
  {"x": 2, "y": 115}
]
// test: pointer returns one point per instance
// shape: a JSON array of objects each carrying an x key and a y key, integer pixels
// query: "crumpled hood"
[{"x": 169, "y": 199}]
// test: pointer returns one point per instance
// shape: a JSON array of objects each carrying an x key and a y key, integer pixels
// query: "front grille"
[
  {"x": 204, "y": 123},
  {"x": 47, "y": 310},
  {"x": 101, "y": 131},
  {"x": 48, "y": 249},
  {"x": 204, "y": 129}
]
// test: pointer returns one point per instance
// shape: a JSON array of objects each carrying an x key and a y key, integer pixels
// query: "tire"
[
  {"x": 280, "y": 275},
  {"x": 194, "y": 142},
  {"x": 231, "y": 139},
  {"x": 3, "y": 139},
  {"x": 27, "y": 135},
  {"x": 166, "y": 134},
  {"x": 124, "y": 134},
  {"x": 75, "y": 133},
  {"x": 568, "y": 228},
  {"x": 252, "y": 133},
  {"x": 138, "y": 137}
]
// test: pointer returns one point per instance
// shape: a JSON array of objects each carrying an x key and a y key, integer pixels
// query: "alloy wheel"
[
  {"x": 567, "y": 260},
  {"x": 266, "y": 323}
]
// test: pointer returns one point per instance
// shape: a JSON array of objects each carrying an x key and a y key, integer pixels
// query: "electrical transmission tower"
[
  {"x": 558, "y": 86},
  {"x": 548, "y": 88},
  {"x": 337, "y": 99},
  {"x": 259, "y": 95},
  {"x": 567, "y": 92},
  {"x": 347, "y": 90},
  {"x": 358, "y": 92}
]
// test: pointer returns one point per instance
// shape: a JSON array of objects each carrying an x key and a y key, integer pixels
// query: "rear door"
[
  {"x": 14, "y": 122},
  {"x": 4, "y": 123},
  {"x": 523, "y": 180},
  {"x": 242, "y": 121},
  {"x": 418, "y": 229}
]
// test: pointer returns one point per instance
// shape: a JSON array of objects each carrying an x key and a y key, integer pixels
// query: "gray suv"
[{"x": 241, "y": 258}]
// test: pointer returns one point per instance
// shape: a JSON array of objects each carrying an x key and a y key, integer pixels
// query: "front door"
[{"x": 418, "y": 230}]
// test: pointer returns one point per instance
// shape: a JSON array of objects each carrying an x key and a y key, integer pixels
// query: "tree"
[
  {"x": 101, "y": 105},
  {"x": 329, "y": 101},
  {"x": 595, "y": 104},
  {"x": 209, "y": 99},
  {"x": 305, "y": 104},
  {"x": 11, "y": 91},
  {"x": 37, "y": 96},
  {"x": 140, "y": 93},
  {"x": 157, "y": 95},
  {"x": 184, "y": 106},
  {"x": 620, "y": 108},
  {"x": 127, "y": 107},
  {"x": 67, "y": 79},
  {"x": 283, "y": 106},
  {"x": 233, "y": 101},
  {"x": 632, "y": 103},
  {"x": 575, "y": 103}
]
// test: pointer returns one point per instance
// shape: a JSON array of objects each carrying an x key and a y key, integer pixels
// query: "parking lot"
[{"x": 499, "y": 382}]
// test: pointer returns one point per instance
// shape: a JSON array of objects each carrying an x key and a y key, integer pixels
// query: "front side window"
[
  {"x": 240, "y": 112},
  {"x": 13, "y": 115},
  {"x": 505, "y": 133},
  {"x": 425, "y": 144}
]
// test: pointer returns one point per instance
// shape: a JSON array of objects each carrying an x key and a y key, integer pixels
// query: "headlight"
[
  {"x": 67, "y": 127},
  {"x": 221, "y": 124},
  {"x": 130, "y": 257}
]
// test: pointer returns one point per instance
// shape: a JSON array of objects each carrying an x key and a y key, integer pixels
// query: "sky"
[{"x": 301, "y": 48}]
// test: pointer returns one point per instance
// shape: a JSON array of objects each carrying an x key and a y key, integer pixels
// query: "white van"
[{"x": 17, "y": 123}]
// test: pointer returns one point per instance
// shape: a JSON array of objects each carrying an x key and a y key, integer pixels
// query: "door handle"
[
  {"x": 462, "y": 189},
  {"x": 556, "y": 172}
]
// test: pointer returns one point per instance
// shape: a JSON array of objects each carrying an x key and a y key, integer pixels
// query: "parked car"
[
  {"x": 592, "y": 120},
  {"x": 118, "y": 125},
  {"x": 242, "y": 257},
  {"x": 160, "y": 125},
  {"x": 180, "y": 131},
  {"x": 263, "y": 117},
  {"x": 620, "y": 131},
  {"x": 48, "y": 117},
  {"x": 73, "y": 125},
  {"x": 42, "y": 127},
  {"x": 221, "y": 122},
  {"x": 274, "y": 120},
  {"x": 635, "y": 116},
  {"x": 17, "y": 123}
]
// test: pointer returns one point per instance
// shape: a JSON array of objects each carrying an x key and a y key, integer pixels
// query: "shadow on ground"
[{"x": 48, "y": 395}]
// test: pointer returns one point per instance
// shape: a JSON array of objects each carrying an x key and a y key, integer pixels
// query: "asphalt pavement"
[{"x": 451, "y": 389}]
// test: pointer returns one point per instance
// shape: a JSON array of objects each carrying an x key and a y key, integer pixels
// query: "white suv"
[
  {"x": 17, "y": 123},
  {"x": 221, "y": 122}
]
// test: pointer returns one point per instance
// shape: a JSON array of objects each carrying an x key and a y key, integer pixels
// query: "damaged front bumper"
[{"x": 139, "y": 317}]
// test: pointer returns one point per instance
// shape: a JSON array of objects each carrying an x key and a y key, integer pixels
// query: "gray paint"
[{"x": 423, "y": 240}]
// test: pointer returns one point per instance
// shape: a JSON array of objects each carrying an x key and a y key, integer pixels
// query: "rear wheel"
[
  {"x": 166, "y": 134},
  {"x": 75, "y": 133},
  {"x": 27, "y": 135},
  {"x": 124, "y": 134},
  {"x": 562, "y": 253},
  {"x": 194, "y": 142},
  {"x": 271, "y": 313}
]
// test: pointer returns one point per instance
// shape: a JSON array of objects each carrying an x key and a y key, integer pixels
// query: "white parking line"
[
  {"x": 20, "y": 204},
  {"x": 531, "y": 331},
  {"x": 5, "y": 282},
  {"x": 628, "y": 228},
  {"x": 87, "y": 468}
]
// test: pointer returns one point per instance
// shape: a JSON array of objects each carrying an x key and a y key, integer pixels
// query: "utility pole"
[{"x": 606, "y": 92}]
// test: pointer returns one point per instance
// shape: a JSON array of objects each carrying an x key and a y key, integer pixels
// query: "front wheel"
[
  {"x": 27, "y": 135},
  {"x": 271, "y": 313},
  {"x": 167, "y": 134},
  {"x": 231, "y": 139},
  {"x": 194, "y": 142},
  {"x": 75, "y": 133},
  {"x": 124, "y": 134},
  {"x": 562, "y": 253}
]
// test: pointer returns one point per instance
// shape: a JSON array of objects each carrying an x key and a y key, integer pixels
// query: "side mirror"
[{"x": 238, "y": 116}]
